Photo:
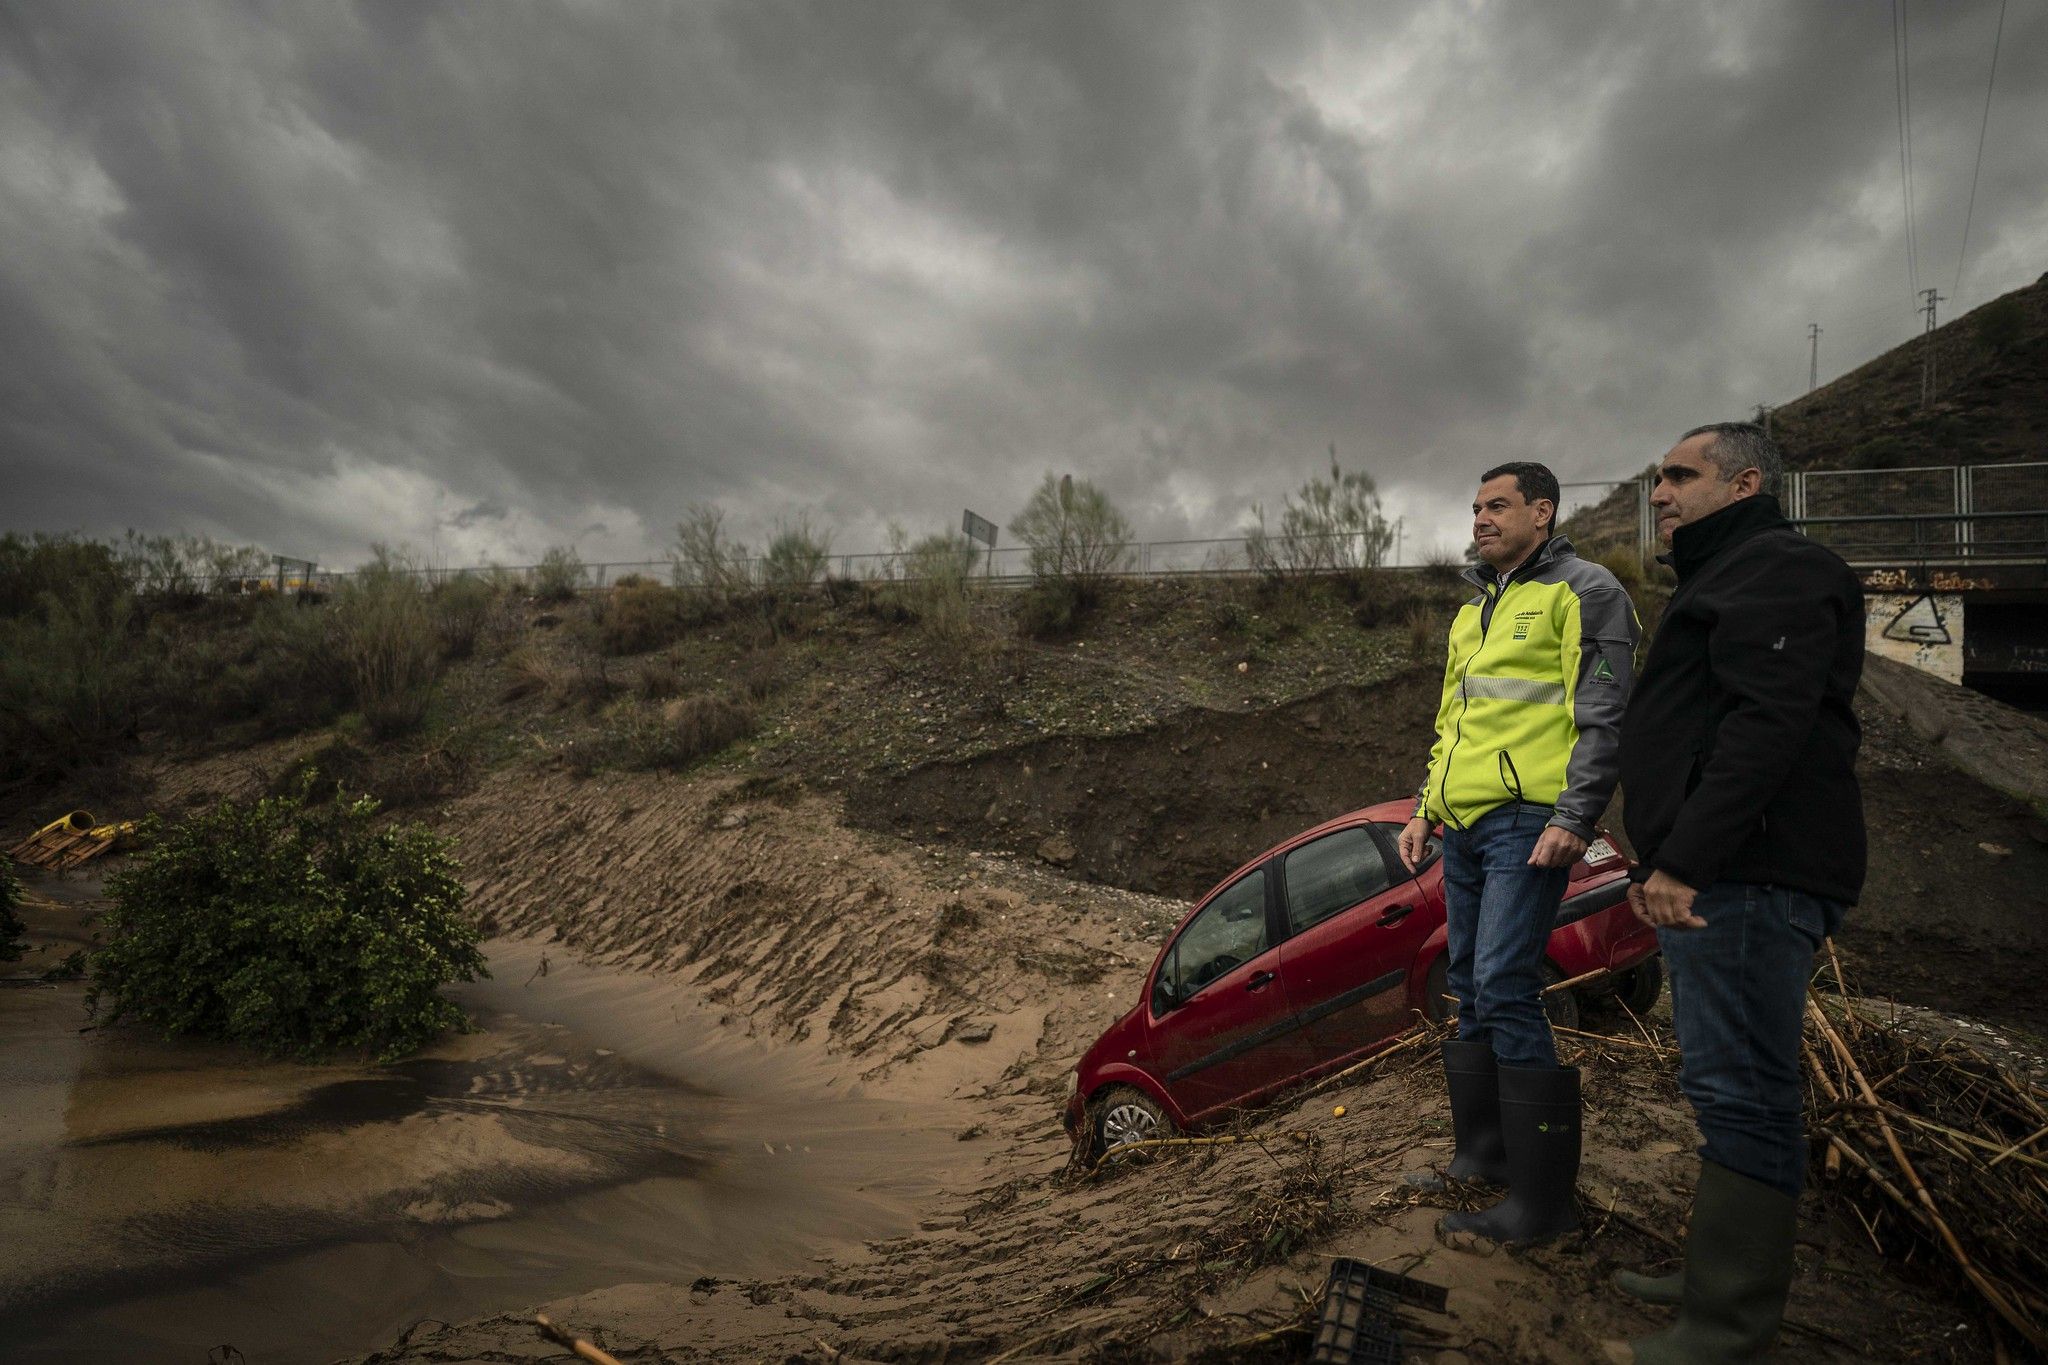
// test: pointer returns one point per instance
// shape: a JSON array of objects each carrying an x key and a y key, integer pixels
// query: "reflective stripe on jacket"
[{"x": 1535, "y": 683}]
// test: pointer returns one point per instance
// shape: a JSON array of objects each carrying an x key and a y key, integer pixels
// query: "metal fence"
[{"x": 1929, "y": 515}]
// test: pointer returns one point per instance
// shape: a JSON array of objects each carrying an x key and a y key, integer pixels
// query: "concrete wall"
[{"x": 1921, "y": 629}]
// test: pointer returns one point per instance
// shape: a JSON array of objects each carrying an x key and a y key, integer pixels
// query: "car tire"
[
  {"x": 1124, "y": 1115},
  {"x": 1641, "y": 985}
]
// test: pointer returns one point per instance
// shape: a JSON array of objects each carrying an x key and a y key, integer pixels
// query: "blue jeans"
[
  {"x": 1738, "y": 997},
  {"x": 1498, "y": 913}
]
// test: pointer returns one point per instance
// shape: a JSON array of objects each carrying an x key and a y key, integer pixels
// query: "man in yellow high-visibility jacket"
[{"x": 1527, "y": 753}]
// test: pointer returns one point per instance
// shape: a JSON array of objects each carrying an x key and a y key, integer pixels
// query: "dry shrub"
[
  {"x": 391, "y": 642},
  {"x": 757, "y": 676},
  {"x": 690, "y": 728},
  {"x": 636, "y": 617},
  {"x": 1426, "y": 628},
  {"x": 466, "y": 606},
  {"x": 530, "y": 673},
  {"x": 559, "y": 575},
  {"x": 657, "y": 679}
]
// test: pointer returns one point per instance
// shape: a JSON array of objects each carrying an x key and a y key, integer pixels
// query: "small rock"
[
  {"x": 1057, "y": 850},
  {"x": 732, "y": 819},
  {"x": 1996, "y": 850},
  {"x": 980, "y": 1031},
  {"x": 1244, "y": 666}
]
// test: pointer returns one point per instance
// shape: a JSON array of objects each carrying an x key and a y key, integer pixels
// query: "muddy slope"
[
  {"x": 1171, "y": 809},
  {"x": 1956, "y": 899}
]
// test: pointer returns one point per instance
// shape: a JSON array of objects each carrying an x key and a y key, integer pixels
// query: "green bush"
[
  {"x": 11, "y": 929},
  {"x": 292, "y": 929},
  {"x": 559, "y": 576},
  {"x": 390, "y": 641},
  {"x": 1053, "y": 608},
  {"x": 939, "y": 586},
  {"x": 796, "y": 557},
  {"x": 72, "y": 680},
  {"x": 31, "y": 566},
  {"x": 703, "y": 557},
  {"x": 1336, "y": 526},
  {"x": 466, "y": 605},
  {"x": 1074, "y": 532}
]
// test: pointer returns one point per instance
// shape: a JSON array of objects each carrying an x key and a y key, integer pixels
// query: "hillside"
[
  {"x": 937, "y": 863},
  {"x": 1990, "y": 406}
]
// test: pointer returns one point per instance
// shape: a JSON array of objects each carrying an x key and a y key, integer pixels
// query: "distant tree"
[
  {"x": 1073, "y": 531},
  {"x": 1330, "y": 524},
  {"x": 796, "y": 556},
  {"x": 702, "y": 556}
]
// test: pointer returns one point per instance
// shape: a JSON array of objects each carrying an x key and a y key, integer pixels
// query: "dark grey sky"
[{"x": 481, "y": 278}]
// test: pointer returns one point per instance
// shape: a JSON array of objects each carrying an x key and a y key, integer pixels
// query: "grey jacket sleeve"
[{"x": 1603, "y": 660}]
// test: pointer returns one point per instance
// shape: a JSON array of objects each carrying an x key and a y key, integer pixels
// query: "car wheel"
[
  {"x": 1562, "y": 1007},
  {"x": 1641, "y": 985},
  {"x": 1125, "y": 1115}
]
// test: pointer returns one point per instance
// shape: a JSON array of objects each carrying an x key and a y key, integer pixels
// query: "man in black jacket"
[{"x": 1738, "y": 757}]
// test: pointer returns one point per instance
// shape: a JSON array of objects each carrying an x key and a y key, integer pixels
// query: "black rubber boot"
[
  {"x": 1474, "y": 1084},
  {"x": 1539, "y": 1117},
  {"x": 1738, "y": 1270}
]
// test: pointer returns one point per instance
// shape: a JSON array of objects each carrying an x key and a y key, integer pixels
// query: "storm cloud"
[{"x": 482, "y": 278}]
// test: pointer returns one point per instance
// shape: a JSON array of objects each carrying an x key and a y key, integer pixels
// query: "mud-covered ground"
[{"x": 937, "y": 872}]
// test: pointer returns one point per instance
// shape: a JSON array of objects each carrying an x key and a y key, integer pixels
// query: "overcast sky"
[{"x": 482, "y": 278}]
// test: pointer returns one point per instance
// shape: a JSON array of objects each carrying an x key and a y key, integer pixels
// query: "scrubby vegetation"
[
  {"x": 290, "y": 928},
  {"x": 11, "y": 946},
  {"x": 1331, "y": 525},
  {"x": 390, "y": 641},
  {"x": 559, "y": 575}
]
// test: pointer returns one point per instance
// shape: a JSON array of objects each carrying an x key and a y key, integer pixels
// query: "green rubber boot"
[
  {"x": 1738, "y": 1270},
  {"x": 1663, "y": 1290}
]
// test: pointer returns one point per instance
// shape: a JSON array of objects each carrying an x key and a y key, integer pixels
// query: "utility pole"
[
  {"x": 1813, "y": 357},
  {"x": 1927, "y": 377}
]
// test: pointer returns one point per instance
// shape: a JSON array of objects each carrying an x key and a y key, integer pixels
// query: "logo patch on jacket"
[
  {"x": 1523, "y": 620},
  {"x": 1603, "y": 674}
]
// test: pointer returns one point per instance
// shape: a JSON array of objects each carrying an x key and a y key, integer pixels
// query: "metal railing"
[{"x": 1944, "y": 514}]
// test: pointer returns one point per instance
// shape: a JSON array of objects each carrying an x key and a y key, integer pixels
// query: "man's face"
[
  {"x": 1507, "y": 526},
  {"x": 1691, "y": 486}
]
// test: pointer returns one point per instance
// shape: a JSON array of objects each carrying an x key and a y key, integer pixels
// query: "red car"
[{"x": 1313, "y": 954}]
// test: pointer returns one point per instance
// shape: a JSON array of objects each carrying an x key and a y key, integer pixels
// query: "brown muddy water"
[{"x": 161, "y": 1201}]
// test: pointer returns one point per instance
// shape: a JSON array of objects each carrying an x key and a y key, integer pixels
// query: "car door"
[
  {"x": 1220, "y": 1019},
  {"x": 1353, "y": 933}
]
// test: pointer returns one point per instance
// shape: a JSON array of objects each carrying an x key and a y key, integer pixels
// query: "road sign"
[{"x": 979, "y": 528}]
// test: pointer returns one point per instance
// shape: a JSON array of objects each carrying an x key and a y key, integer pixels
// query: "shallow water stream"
[{"x": 158, "y": 1200}]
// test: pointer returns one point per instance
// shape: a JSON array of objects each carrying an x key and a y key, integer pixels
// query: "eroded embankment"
[
  {"x": 1173, "y": 808},
  {"x": 887, "y": 961}
]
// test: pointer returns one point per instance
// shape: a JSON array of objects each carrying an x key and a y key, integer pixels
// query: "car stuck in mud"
[{"x": 1318, "y": 952}]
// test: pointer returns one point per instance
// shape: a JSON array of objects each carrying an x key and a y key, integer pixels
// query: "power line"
[
  {"x": 1902, "y": 90},
  {"x": 1989, "y": 81}
]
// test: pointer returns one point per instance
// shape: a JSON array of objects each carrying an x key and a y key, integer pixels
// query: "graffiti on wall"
[{"x": 1922, "y": 629}]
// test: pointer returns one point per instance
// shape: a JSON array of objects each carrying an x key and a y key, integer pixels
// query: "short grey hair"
[{"x": 1742, "y": 445}]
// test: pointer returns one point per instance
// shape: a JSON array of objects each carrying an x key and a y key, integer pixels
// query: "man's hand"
[
  {"x": 1556, "y": 847},
  {"x": 1414, "y": 841},
  {"x": 1664, "y": 902}
]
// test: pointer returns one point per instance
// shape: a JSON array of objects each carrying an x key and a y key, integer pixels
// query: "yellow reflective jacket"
[{"x": 1538, "y": 674}]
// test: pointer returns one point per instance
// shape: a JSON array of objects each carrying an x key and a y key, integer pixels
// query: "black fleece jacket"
[{"x": 1738, "y": 751}]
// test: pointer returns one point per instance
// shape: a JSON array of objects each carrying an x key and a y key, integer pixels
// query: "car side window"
[
  {"x": 1333, "y": 874},
  {"x": 1431, "y": 846},
  {"x": 1230, "y": 930}
]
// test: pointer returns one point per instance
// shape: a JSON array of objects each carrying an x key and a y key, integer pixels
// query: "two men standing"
[{"x": 1736, "y": 758}]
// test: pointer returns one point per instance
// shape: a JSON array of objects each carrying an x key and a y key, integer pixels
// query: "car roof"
[{"x": 1385, "y": 813}]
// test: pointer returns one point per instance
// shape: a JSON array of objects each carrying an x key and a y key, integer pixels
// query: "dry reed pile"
[{"x": 1937, "y": 1150}]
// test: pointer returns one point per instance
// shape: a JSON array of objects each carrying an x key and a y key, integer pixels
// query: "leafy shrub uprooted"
[{"x": 293, "y": 929}]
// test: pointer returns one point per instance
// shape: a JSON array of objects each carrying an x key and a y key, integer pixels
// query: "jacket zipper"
[{"x": 1465, "y": 696}]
